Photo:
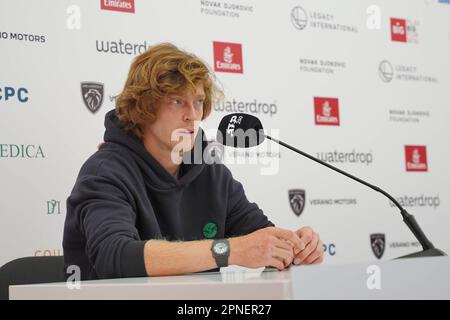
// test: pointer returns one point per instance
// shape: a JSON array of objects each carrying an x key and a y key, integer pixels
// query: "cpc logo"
[
  {"x": 329, "y": 249},
  {"x": 11, "y": 93}
]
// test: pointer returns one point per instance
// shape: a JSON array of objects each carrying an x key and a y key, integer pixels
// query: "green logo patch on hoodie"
[{"x": 210, "y": 230}]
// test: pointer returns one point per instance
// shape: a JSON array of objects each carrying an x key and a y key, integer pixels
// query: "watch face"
[{"x": 220, "y": 248}]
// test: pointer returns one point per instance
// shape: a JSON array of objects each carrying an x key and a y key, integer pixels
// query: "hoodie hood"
[{"x": 159, "y": 178}]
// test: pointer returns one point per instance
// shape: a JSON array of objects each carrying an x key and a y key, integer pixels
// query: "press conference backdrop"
[{"x": 363, "y": 85}]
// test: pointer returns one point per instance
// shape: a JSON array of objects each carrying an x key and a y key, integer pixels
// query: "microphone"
[{"x": 240, "y": 130}]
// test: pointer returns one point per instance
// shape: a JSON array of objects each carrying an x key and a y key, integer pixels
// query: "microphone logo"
[{"x": 232, "y": 124}]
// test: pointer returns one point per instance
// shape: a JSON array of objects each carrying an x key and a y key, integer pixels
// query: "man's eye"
[
  {"x": 199, "y": 102},
  {"x": 176, "y": 101}
]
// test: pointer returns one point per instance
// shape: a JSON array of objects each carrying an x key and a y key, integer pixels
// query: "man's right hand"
[{"x": 270, "y": 246}]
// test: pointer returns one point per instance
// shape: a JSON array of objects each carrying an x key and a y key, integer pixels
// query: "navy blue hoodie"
[{"x": 124, "y": 197}]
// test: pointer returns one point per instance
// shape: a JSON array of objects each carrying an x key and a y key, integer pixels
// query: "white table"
[{"x": 420, "y": 278}]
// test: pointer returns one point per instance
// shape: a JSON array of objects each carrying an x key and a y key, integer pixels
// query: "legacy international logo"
[
  {"x": 403, "y": 30},
  {"x": 416, "y": 158},
  {"x": 326, "y": 111},
  {"x": 228, "y": 57},
  {"x": 302, "y": 19},
  {"x": 299, "y": 18},
  {"x": 118, "y": 5},
  {"x": 388, "y": 72},
  {"x": 92, "y": 94}
]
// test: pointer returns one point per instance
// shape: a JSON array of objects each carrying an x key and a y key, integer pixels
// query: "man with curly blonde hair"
[{"x": 139, "y": 207}]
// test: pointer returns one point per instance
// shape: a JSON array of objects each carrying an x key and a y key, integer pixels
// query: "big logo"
[
  {"x": 92, "y": 93},
  {"x": 398, "y": 30}
]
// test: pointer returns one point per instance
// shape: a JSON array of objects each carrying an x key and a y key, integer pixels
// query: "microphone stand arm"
[{"x": 408, "y": 219}]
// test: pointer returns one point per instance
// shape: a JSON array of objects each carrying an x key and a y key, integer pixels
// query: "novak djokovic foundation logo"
[
  {"x": 92, "y": 94},
  {"x": 408, "y": 115},
  {"x": 118, "y": 5},
  {"x": 321, "y": 66},
  {"x": 228, "y": 57},
  {"x": 326, "y": 111},
  {"x": 228, "y": 9},
  {"x": 416, "y": 158}
]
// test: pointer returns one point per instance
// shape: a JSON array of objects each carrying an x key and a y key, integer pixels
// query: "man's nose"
[{"x": 190, "y": 112}]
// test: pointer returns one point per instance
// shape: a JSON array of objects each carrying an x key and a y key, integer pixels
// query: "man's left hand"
[{"x": 313, "y": 252}]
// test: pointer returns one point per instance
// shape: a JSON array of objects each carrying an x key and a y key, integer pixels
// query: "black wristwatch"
[{"x": 220, "y": 249}]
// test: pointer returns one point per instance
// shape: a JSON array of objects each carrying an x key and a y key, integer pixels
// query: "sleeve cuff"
[{"x": 133, "y": 264}]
